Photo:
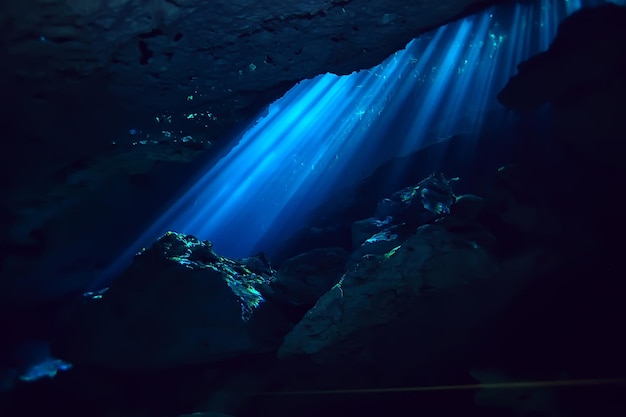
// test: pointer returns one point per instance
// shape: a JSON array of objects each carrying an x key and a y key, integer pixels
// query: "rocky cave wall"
[{"x": 77, "y": 72}]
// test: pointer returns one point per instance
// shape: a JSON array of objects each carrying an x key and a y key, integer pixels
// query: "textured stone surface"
[
  {"x": 381, "y": 289},
  {"x": 157, "y": 52},
  {"x": 128, "y": 60}
]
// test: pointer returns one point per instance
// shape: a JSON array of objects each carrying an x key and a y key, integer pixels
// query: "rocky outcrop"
[
  {"x": 180, "y": 303},
  {"x": 588, "y": 50},
  {"x": 582, "y": 76},
  {"x": 412, "y": 276},
  {"x": 431, "y": 262}
]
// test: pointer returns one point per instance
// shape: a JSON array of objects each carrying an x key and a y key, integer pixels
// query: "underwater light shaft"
[
  {"x": 324, "y": 134},
  {"x": 330, "y": 132}
]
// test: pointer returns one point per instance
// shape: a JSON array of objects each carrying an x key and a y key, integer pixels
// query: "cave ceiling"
[{"x": 119, "y": 63}]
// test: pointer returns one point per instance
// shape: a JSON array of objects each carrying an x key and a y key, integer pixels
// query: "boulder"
[
  {"x": 178, "y": 304},
  {"x": 381, "y": 289}
]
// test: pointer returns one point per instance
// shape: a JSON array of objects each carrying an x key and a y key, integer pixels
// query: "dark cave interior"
[{"x": 228, "y": 209}]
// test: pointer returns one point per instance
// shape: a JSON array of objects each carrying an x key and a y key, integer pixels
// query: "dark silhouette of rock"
[{"x": 583, "y": 77}]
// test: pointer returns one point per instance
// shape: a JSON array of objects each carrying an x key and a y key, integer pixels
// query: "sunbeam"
[{"x": 331, "y": 131}]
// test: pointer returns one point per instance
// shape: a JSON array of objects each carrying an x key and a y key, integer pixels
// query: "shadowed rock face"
[
  {"x": 586, "y": 54},
  {"x": 582, "y": 77}
]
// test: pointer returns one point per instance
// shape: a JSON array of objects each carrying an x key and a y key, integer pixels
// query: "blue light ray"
[{"x": 331, "y": 131}]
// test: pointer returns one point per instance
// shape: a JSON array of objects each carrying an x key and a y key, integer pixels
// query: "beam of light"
[
  {"x": 499, "y": 385},
  {"x": 331, "y": 131}
]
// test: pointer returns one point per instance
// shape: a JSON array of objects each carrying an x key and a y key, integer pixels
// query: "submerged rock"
[
  {"x": 588, "y": 52},
  {"x": 398, "y": 215},
  {"x": 581, "y": 76},
  {"x": 381, "y": 289},
  {"x": 179, "y": 303},
  {"x": 437, "y": 196}
]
